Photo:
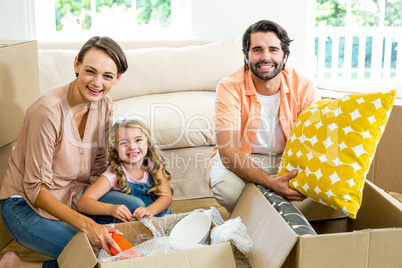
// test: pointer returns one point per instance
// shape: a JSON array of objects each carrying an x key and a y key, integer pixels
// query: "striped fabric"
[{"x": 289, "y": 212}]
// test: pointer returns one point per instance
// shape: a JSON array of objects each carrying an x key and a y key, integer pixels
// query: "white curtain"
[
  {"x": 28, "y": 7},
  {"x": 17, "y": 18}
]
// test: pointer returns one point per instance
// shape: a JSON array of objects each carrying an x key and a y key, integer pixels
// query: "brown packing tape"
[{"x": 397, "y": 196}]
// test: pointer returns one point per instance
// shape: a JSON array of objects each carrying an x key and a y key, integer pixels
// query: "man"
[{"x": 256, "y": 108}]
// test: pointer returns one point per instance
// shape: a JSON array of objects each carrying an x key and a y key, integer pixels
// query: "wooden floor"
[{"x": 177, "y": 207}]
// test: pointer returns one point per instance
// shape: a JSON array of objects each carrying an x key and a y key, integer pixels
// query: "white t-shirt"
[{"x": 270, "y": 139}]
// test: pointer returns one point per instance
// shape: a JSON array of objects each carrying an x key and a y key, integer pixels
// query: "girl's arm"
[
  {"x": 97, "y": 234},
  {"x": 89, "y": 203},
  {"x": 160, "y": 204}
]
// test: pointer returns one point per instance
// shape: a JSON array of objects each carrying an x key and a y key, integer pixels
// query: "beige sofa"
[{"x": 171, "y": 85}]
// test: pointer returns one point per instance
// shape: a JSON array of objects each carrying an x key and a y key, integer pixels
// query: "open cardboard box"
[
  {"x": 79, "y": 253},
  {"x": 373, "y": 239}
]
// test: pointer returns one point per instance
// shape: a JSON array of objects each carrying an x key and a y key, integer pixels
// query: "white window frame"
[{"x": 46, "y": 26}]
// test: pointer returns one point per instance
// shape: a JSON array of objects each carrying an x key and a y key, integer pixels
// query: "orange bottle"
[{"x": 123, "y": 244}]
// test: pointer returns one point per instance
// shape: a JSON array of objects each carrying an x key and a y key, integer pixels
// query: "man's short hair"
[{"x": 267, "y": 26}]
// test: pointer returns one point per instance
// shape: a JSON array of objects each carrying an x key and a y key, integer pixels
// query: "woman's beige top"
[{"x": 50, "y": 151}]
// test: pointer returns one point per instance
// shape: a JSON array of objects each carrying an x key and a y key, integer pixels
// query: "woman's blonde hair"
[{"x": 153, "y": 160}]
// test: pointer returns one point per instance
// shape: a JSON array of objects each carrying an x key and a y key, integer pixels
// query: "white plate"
[{"x": 192, "y": 229}]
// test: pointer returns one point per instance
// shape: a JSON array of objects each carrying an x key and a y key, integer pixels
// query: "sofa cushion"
[
  {"x": 154, "y": 70},
  {"x": 163, "y": 70},
  {"x": 176, "y": 120},
  {"x": 56, "y": 67}
]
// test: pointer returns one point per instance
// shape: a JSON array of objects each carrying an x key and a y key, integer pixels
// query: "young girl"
[{"x": 136, "y": 168}]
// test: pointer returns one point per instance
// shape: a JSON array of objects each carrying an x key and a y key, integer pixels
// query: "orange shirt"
[
  {"x": 50, "y": 151},
  {"x": 237, "y": 108}
]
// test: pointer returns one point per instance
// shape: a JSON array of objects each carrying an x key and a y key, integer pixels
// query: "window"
[
  {"x": 75, "y": 20},
  {"x": 358, "y": 41}
]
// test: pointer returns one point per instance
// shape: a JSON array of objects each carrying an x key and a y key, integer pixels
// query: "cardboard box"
[
  {"x": 386, "y": 168},
  {"x": 78, "y": 253},
  {"x": 19, "y": 79},
  {"x": 19, "y": 83},
  {"x": 373, "y": 239}
]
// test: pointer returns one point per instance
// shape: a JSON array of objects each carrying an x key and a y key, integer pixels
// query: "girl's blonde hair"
[{"x": 153, "y": 160}]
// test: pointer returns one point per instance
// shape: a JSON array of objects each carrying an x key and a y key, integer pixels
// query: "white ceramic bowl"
[{"x": 192, "y": 229}]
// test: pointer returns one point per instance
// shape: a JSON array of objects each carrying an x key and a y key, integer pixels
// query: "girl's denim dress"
[{"x": 140, "y": 190}]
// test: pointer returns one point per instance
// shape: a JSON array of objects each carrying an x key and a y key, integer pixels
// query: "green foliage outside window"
[
  {"x": 80, "y": 11},
  {"x": 330, "y": 13},
  {"x": 77, "y": 8},
  {"x": 363, "y": 13},
  {"x": 158, "y": 10}
]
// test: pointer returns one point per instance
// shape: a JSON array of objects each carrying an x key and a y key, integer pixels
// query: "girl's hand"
[
  {"x": 141, "y": 212},
  {"x": 121, "y": 212},
  {"x": 99, "y": 236}
]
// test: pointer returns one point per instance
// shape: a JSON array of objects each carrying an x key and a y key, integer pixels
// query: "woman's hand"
[
  {"x": 121, "y": 212},
  {"x": 99, "y": 236},
  {"x": 142, "y": 212},
  {"x": 282, "y": 188}
]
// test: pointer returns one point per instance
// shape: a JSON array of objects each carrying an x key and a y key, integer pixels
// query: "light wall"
[
  {"x": 226, "y": 18},
  {"x": 210, "y": 19}
]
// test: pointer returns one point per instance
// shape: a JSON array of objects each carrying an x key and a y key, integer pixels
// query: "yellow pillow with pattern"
[{"x": 332, "y": 145}]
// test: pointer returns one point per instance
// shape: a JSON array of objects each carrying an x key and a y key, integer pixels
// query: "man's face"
[{"x": 265, "y": 57}]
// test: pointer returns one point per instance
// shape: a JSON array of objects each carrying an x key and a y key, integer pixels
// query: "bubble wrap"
[
  {"x": 159, "y": 242},
  {"x": 235, "y": 231}
]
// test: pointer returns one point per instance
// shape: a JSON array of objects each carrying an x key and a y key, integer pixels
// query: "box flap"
[
  {"x": 385, "y": 169},
  {"x": 377, "y": 202},
  {"x": 314, "y": 211},
  {"x": 214, "y": 256},
  {"x": 77, "y": 253},
  {"x": 5, "y": 43},
  {"x": 272, "y": 237}
]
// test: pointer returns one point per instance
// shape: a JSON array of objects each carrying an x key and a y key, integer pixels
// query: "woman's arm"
[
  {"x": 97, "y": 234},
  {"x": 89, "y": 203},
  {"x": 160, "y": 204}
]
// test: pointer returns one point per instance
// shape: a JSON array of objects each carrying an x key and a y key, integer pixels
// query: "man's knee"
[{"x": 227, "y": 193}]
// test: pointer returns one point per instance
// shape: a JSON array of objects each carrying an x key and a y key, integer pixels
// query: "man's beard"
[{"x": 266, "y": 76}]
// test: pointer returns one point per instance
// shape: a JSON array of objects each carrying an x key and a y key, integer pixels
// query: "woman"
[{"x": 61, "y": 144}]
